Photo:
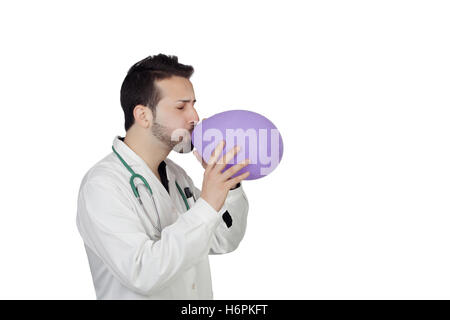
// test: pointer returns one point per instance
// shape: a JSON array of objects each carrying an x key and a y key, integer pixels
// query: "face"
[{"x": 175, "y": 114}]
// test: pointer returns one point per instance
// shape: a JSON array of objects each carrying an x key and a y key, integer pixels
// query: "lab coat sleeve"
[
  {"x": 112, "y": 229},
  {"x": 227, "y": 239}
]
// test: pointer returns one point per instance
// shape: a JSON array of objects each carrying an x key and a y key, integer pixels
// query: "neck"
[{"x": 147, "y": 147}]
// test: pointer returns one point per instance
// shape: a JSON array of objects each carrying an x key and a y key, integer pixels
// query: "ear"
[{"x": 143, "y": 116}]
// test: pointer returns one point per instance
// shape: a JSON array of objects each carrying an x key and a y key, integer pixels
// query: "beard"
[{"x": 179, "y": 140}]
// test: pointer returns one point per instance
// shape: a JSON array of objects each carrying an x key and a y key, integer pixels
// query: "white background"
[{"x": 358, "y": 207}]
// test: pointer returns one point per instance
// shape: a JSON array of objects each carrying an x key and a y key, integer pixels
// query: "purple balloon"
[{"x": 259, "y": 139}]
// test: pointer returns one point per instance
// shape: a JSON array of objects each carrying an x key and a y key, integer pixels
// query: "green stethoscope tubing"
[{"x": 135, "y": 175}]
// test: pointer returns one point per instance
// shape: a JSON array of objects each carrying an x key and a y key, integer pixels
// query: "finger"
[
  {"x": 204, "y": 164},
  {"x": 227, "y": 158},
  {"x": 232, "y": 182},
  {"x": 236, "y": 168},
  {"x": 216, "y": 153}
]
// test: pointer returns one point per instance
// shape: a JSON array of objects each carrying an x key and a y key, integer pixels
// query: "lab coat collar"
[
  {"x": 139, "y": 165},
  {"x": 131, "y": 158}
]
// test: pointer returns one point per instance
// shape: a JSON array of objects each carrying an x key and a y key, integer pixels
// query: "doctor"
[{"x": 147, "y": 229}]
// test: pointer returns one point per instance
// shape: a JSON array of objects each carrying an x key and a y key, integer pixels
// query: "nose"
[{"x": 194, "y": 117}]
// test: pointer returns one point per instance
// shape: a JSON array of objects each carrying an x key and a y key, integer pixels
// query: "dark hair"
[{"x": 138, "y": 87}]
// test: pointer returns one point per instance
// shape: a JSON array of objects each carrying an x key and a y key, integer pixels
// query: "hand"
[
  {"x": 204, "y": 165},
  {"x": 216, "y": 184}
]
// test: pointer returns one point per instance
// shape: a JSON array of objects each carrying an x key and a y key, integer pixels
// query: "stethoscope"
[{"x": 135, "y": 175}]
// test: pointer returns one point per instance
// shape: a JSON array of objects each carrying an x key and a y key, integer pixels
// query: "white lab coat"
[{"x": 127, "y": 257}]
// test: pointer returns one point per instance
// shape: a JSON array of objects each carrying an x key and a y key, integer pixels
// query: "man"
[{"x": 147, "y": 229}]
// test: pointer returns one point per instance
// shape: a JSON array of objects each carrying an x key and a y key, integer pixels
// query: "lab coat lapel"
[
  {"x": 167, "y": 201},
  {"x": 177, "y": 199}
]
